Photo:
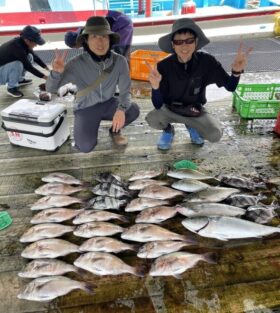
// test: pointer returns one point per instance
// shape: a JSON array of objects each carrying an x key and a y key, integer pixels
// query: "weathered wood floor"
[{"x": 246, "y": 277}]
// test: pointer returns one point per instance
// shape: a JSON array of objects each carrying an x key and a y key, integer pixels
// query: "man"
[
  {"x": 179, "y": 84},
  {"x": 16, "y": 57},
  {"x": 94, "y": 104},
  {"x": 120, "y": 23}
]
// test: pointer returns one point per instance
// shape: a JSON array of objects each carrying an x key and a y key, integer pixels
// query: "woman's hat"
[
  {"x": 33, "y": 34},
  {"x": 98, "y": 25},
  {"x": 165, "y": 42}
]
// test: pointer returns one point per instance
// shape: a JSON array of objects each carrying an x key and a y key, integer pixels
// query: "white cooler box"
[{"x": 36, "y": 124}]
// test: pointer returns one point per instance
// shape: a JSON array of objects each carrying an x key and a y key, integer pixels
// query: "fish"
[
  {"x": 46, "y": 267},
  {"x": 176, "y": 263},
  {"x": 55, "y": 215},
  {"x": 94, "y": 229},
  {"x": 108, "y": 177},
  {"x": 150, "y": 232},
  {"x": 156, "y": 214},
  {"x": 51, "y": 287},
  {"x": 188, "y": 174},
  {"x": 241, "y": 182},
  {"x": 142, "y": 183},
  {"x": 106, "y": 244},
  {"x": 189, "y": 185},
  {"x": 159, "y": 192},
  {"x": 106, "y": 203},
  {"x": 57, "y": 189},
  {"x": 140, "y": 204},
  {"x": 111, "y": 190},
  {"x": 48, "y": 202},
  {"x": 102, "y": 263},
  {"x": 262, "y": 214},
  {"x": 211, "y": 194},
  {"x": 244, "y": 200},
  {"x": 145, "y": 174},
  {"x": 49, "y": 248},
  {"x": 98, "y": 216},
  {"x": 44, "y": 231},
  {"x": 208, "y": 209},
  {"x": 227, "y": 227},
  {"x": 154, "y": 249},
  {"x": 61, "y": 178}
]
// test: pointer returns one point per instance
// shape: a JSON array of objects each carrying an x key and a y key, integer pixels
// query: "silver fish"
[
  {"x": 244, "y": 200},
  {"x": 49, "y": 248},
  {"x": 226, "y": 227},
  {"x": 155, "y": 249},
  {"x": 106, "y": 244},
  {"x": 155, "y": 215},
  {"x": 189, "y": 174},
  {"x": 176, "y": 263},
  {"x": 150, "y": 232},
  {"x": 142, "y": 183},
  {"x": 106, "y": 203},
  {"x": 94, "y": 229},
  {"x": 159, "y": 192},
  {"x": 44, "y": 231},
  {"x": 61, "y": 178},
  {"x": 211, "y": 194},
  {"x": 140, "y": 204},
  {"x": 49, "y": 288},
  {"x": 97, "y": 216},
  {"x": 111, "y": 190},
  {"x": 143, "y": 174},
  {"x": 101, "y": 263},
  {"x": 189, "y": 185},
  {"x": 241, "y": 182},
  {"x": 55, "y": 215},
  {"x": 46, "y": 267},
  {"x": 208, "y": 209},
  {"x": 48, "y": 202},
  {"x": 57, "y": 189}
]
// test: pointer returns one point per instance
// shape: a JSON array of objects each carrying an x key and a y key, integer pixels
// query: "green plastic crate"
[{"x": 257, "y": 100}]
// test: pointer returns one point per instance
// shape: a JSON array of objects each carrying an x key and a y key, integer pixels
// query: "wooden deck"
[{"x": 246, "y": 277}]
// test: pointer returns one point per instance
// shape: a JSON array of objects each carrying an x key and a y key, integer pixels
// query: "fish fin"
[
  {"x": 178, "y": 276},
  {"x": 211, "y": 257},
  {"x": 124, "y": 219},
  {"x": 140, "y": 270},
  {"x": 89, "y": 287}
]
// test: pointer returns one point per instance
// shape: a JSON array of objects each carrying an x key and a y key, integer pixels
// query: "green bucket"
[
  {"x": 185, "y": 164},
  {"x": 5, "y": 220}
]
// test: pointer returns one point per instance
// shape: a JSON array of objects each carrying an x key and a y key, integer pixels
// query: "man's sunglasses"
[{"x": 179, "y": 42}]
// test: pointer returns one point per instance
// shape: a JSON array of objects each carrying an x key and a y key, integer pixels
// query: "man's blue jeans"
[{"x": 11, "y": 73}]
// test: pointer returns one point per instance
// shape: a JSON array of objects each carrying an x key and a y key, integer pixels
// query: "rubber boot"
[
  {"x": 195, "y": 137},
  {"x": 166, "y": 138}
]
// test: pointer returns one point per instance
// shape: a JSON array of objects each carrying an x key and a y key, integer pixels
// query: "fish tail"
[
  {"x": 124, "y": 219},
  {"x": 187, "y": 239},
  {"x": 211, "y": 257},
  {"x": 86, "y": 184},
  {"x": 88, "y": 287},
  {"x": 140, "y": 270},
  {"x": 134, "y": 247}
]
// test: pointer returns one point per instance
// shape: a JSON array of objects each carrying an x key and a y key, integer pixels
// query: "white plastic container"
[{"x": 36, "y": 124}]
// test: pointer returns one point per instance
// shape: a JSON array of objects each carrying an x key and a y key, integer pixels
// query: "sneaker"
[
  {"x": 195, "y": 137},
  {"x": 14, "y": 92},
  {"x": 166, "y": 139},
  {"x": 25, "y": 82},
  {"x": 118, "y": 139}
]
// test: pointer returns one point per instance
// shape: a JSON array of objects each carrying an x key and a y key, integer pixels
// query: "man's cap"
[
  {"x": 165, "y": 42},
  {"x": 98, "y": 25},
  {"x": 33, "y": 34},
  {"x": 70, "y": 38}
]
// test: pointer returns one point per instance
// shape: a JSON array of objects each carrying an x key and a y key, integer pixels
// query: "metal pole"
[{"x": 176, "y": 4}]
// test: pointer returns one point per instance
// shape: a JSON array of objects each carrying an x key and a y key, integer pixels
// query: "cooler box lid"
[{"x": 33, "y": 110}]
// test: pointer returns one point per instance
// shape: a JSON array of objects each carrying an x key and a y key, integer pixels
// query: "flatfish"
[
  {"x": 106, "y": 244},
  {"x": 227, "y": 227},
  {"x": 159, "y": 192},
  {"x": 51, "y": 287},
  {"x": 102, "y": 263},
  {"x": 140, "y": 204},
  {"x": 46, "y": 267},
  {"x": 43, "y": 231}
]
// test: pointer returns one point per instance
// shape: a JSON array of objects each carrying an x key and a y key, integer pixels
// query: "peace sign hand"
[
  {"x": 154, "y": 76},
  {"x": 241, "y": 58},
  {"x": 58, "y": 62}
]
